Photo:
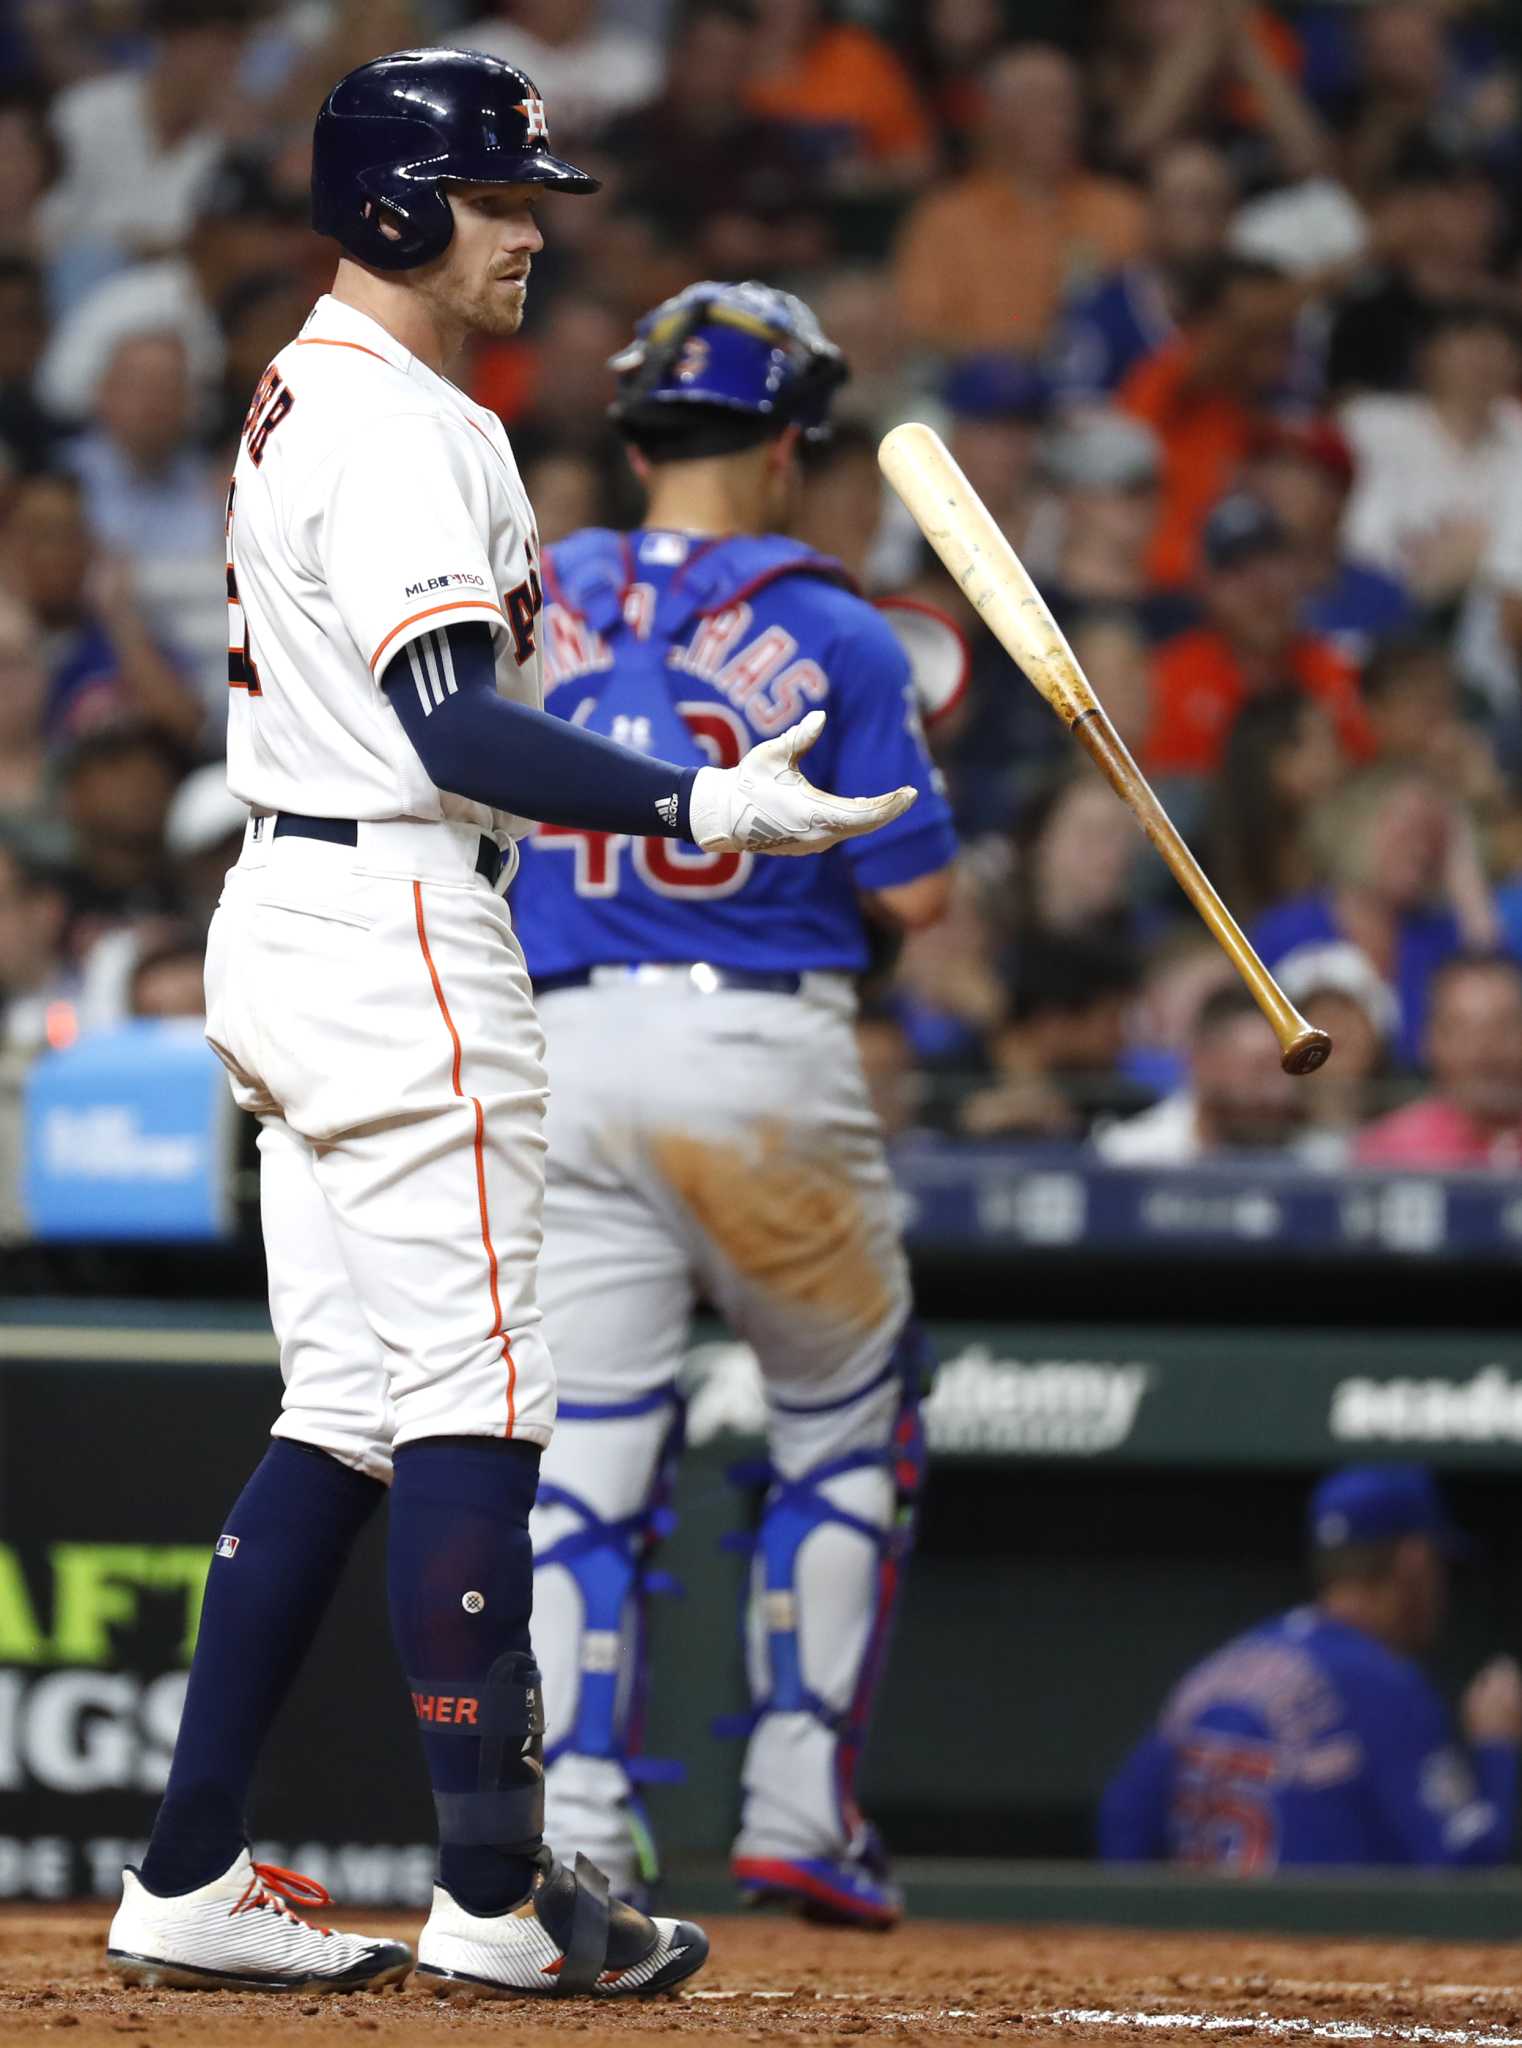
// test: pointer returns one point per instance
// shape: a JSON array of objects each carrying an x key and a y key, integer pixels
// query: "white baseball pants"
[
  {"x": 372, "y": 1008},
  {"x": 720, "y": 1145}
]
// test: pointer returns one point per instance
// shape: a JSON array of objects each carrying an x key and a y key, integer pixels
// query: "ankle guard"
[{"x": 504, "y": 1712}]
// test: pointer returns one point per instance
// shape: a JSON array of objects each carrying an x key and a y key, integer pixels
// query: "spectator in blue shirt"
[
  {"x": 153, "y": 500},
  {"x": 1127, "y": 314},
  {"x": 1316, "y": 1738},
  {"x": 1405, "y": 887},
  {"x": 102, "y": 661}
]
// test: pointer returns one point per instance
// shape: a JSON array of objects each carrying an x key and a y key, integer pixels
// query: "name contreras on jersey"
[{"x": 760, "y": 676}]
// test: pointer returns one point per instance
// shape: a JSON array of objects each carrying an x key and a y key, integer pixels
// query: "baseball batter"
[
  {"x": 710, "y": 1131},
  {"x": 368, "y": 997}
]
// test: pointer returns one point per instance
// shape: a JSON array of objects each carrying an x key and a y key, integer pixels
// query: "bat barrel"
[{"x": 991, "y": 576}]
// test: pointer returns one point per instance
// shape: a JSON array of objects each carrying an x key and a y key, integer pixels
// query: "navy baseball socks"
[
  {"x": 201, "y": 1914},
  {"x": 276, "y": 1567},
  {"x": 507, "y": 1919}
]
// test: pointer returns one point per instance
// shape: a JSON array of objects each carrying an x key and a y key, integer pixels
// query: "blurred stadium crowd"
[{"x": 1220, "y": 306}]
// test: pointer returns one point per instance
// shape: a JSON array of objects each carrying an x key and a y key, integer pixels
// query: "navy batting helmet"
[
  {"x": 391, "y": 132},
  {"x": 738, "y": 348}
]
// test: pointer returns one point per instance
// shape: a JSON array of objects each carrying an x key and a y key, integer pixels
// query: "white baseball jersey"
[{"x": 372, "y": 502}]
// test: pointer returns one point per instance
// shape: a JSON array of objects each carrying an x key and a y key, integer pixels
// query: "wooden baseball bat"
[{"x": 959, "y": 526}]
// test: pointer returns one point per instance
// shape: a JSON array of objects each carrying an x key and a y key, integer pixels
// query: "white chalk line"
[
  {"x": 1275, "y": 2028},
  {"x": 1265, "y": 2025}
]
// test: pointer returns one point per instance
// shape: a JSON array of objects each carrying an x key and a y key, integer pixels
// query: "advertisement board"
[
  {"x": 114, "y": 1478},
  {"x": 1105, "y": 1505},
  {"x": 128, "y": 1136}
]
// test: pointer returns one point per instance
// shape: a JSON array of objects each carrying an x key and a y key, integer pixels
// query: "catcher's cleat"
[
  {"x": 567, "y": 1939},
  {"x": 854, "y": 1890},
  {"x": 239, "y": 1933}
]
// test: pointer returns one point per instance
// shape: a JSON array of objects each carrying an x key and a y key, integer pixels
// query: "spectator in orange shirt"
[
  {"x": 843, "y": 93},
  {"x": 1206, "y": 394},
  {"x": 983, "y": 262},
  {"x": 1250, "y": 642}
]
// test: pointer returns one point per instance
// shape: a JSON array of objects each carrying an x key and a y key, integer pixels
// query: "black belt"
[
  {"x": 712, "y": 978},
  {"x": 345, "y": 832}
]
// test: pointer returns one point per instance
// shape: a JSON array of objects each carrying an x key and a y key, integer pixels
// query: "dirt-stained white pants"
[
  {"x": 372, "y": 1008},
  {"x": 717, "y": 1145}
]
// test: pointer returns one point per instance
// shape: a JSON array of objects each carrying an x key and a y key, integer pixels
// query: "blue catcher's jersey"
[
  {"x": 694, "y": 650},
  {"x": 1307, "y": 1742}
]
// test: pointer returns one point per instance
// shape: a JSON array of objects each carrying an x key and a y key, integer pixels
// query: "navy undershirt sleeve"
[{"x": 475, "y": 744}]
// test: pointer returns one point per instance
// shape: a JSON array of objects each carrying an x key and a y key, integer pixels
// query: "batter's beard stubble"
[
  {"x": 486, "y": 309},
  {"x": 498, "y": 311}
]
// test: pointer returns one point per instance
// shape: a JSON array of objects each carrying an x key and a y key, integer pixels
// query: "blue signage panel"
[{"x": 128, "y": 1136}]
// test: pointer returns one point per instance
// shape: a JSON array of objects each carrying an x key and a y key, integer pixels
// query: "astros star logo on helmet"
[{"x": 532, "y": 111}]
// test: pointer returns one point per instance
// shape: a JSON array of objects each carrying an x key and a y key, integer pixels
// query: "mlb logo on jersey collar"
[{"x": 664, "y": 550}]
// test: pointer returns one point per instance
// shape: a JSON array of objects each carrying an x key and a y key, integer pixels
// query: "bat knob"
[{"x": 1309, "y": 1049}]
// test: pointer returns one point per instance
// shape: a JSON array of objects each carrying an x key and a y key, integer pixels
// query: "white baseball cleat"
[
  {"x": 238, "y": 1933},
  {"x": 567, "y": 1939}
]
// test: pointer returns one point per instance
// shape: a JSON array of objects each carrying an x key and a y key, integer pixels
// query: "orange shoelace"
[{"x": 280, "y": 1890}]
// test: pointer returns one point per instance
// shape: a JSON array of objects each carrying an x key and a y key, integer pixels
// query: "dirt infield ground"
[{"x": 772, "y": 1983}]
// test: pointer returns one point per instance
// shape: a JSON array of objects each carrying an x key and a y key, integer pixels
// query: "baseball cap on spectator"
[
  {"x": 204, "y": 812},
  {"x": 1105, "y": 452},
  {"x": 1315, "y": 440},
  {"x": 997, "y": 386},
  {"x": 1240, "y": 528},
  {"x": 1301, "y": 228},
  {"x": 1380, "y": 1504},
  {"x": 1338, "y": 968}
]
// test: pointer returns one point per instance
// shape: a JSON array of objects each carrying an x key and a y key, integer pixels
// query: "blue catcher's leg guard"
[
  {"x": 836, "y": 1531},
  {"x": 603, "y": 1511}
]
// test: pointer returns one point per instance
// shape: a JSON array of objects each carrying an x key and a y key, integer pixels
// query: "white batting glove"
[{"x": 765, "y": 805}]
